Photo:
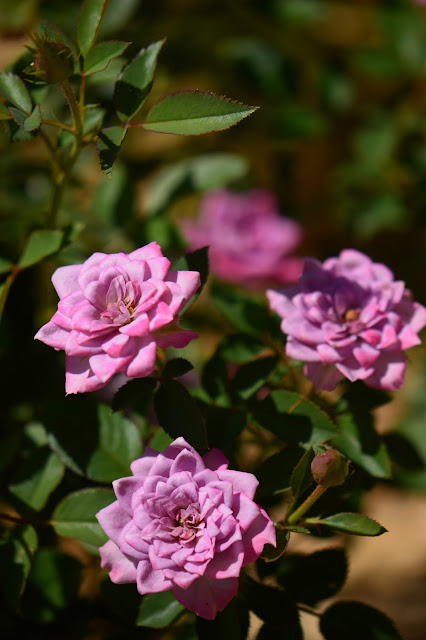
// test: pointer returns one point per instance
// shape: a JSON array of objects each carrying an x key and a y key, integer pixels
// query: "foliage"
[{"x": 340, "y": 138}]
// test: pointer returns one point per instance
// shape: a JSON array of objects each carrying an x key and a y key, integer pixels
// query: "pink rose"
[
  {"x": 185, "y": 523},
  {"x": 114, "y": 311},
  {"x": 248, "y": 238},
  {"x": 348, "y": 317}
]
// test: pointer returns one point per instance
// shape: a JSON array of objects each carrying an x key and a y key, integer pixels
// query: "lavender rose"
[
  {"x": 185, "y": 523},
  {"x": 249, "y": 240},
  {"x": 348, "y": 317},
  {"x": 114, "y": 311}
]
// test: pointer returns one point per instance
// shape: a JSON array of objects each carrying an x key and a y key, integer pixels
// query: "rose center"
[
  {"x": 351, "y": 315},
  {"x": 119, "y": 312}
]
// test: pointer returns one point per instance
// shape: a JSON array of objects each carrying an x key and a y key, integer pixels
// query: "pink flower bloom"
[
  {"x": 114, "y": 311},
  {"x": 249, "y": 240},
  {"x": 185, "y": 523},
  {"x": 348, "y": 317}
]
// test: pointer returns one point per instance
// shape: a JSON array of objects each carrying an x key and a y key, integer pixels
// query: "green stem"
[
  {"x": 75, "y": 110},
  {"x": 310, "y": 500}
]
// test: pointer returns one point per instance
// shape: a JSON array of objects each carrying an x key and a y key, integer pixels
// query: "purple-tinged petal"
[
  {"x": 144, "y": 361},
  {"x": 388, "y": 373},
  {"x": 323, "y": 377},
  {"x": 79, "y": 378},
  {"x": 142, "y": 466},
  {"x": 126, "y": 491},
  {"x": 177, "y": 338},
  {"x": 207, "y": 597},
  {"x": 113, "y": 519},
  {"x": 241, "y": 481},
  {"x": 214, "y": 459},
  {"x": 122, "y": 569},
  {"x": 104, "y": 366},
  {"x": 151, "y": 250},
  {"x": 188, "y": 281},
  {"x": 65, "y": 279},
  {"x": 52, "y": 335},
  {"x": 150, "y": 581},
  {"x": 161, "y": 317}
]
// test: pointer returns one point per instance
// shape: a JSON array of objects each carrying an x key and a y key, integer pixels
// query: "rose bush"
[
  {"x": 185, "y": 523},
  {"x": 114, "y": 311},
  {"x": 348, "y": 317},
  {"x": 248, "y": 238}
]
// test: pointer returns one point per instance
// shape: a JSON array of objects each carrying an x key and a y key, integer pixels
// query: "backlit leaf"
[
  {"x": 158, "y": 610},
  {"x": 101, "y": 55},
  {"x": 75, "y": 515},
  {"x": 108, "y": 146},
  {"x": 89, "y": 20},
  {"x": 39, "y": 245},
  {"x": 135, "y": 81},
  {"x": 15, "y": 91},
  {"x": 195, "y": 112}
]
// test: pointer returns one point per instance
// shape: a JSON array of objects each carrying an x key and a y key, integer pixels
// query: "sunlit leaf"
[
  {"x": 39, "y": 245},
  {"x": 353, "y": 523},
  {"x": 75, "y": 515},
  {"x": 135, "y": 81},
  {"x": 158, "y": 610},
  {"x": 89, "y": 20},
  {"x": 36, "y": 477},
  {"x": 14, "y": 90},
  {"x": 101, "y": 55},
  {"x": 195, "y": 112}
]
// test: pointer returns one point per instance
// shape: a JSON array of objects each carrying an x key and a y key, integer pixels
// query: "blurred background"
[{"x": 339, "y": 137}]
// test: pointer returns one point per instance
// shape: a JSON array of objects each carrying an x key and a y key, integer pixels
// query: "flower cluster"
[
  {"x": 185, "y": 523},
  {"x": 249, "y": 240},
  {"x": 114, "y": 311},
  {"x": 348, "y": 317}
]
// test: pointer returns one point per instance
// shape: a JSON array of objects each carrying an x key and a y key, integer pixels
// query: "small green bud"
[
  {"x": 53, "y": 62},
  {"x": 330, "y": 468}
]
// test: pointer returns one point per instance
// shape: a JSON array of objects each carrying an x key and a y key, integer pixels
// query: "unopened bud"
[
  {"x": 330, "y": 468},
  {"x": 53, "y": 61}
]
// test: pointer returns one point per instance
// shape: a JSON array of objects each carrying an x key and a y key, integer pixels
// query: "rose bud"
[{"x": 330, "y": 468}]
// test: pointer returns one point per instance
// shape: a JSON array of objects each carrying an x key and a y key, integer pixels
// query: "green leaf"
[
  {"x": 91, "y": 440},
  {"x": 4, "y": 112},
  {"x": 89, "y": 21},
  {"x": 52, "y": 585},
  {"x": 246, "y": 313},
  {"x": 39, "y": 245},
  {"x": 314, "y": 577},
  {"x": 239, "y": 348},
  {"x": 119, "y": 443},
  {"x": 15, "y": 91},
  {"x": 135, "y": 81},
  {"x": 274, "y": 474},
  {"x": 359, "y": 442},
  {"x": 16, "y": 553},
  {"x": 301, "y": 478},
  {"x": 199, "y": 173},
  {"x": 108, "y": 145},
  {"x": 160, "y": 440},
  {"x": 195, "y": 112},
  {"x": 36, "y": 478},
  {"x": 272, "y": 554},
  {"x": 252, "y": 376},
  {"x": 294, "y": 419},
  {"x": 354, "y": 620},
  {"x": 133, "y": 392},
  {"x": 101, "y": 55},
  {"x": 75, "y": 515},
  {"x": 158, "y": 610},
  {"x": 24, "y": 121},
  {"x": 197, "y": 260},
  {"x": 179, "y": 415},
  {"x": 353, "y": 523},
  {"x": 176, "y": 367},
  {"x": 359, "y": 398},
  {"x": 5, "y": 265}
]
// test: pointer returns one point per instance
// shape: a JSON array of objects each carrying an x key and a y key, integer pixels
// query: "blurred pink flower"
[
  {"x": 249, "y": 240},
  {"x": 348, "y": 317},
  {"x": 185, "y": 523},
  {"x": 114, "y": 311}
]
